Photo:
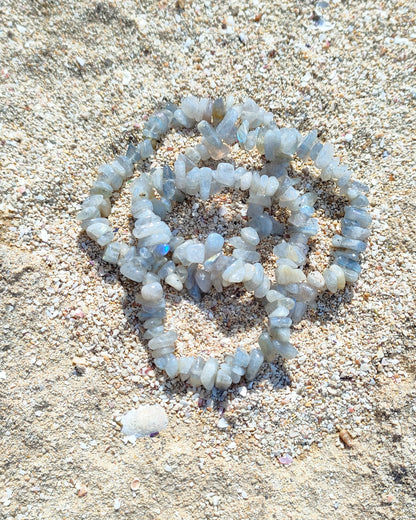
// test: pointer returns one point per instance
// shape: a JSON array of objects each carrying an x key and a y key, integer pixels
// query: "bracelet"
[{"x": 162, "y": 257}]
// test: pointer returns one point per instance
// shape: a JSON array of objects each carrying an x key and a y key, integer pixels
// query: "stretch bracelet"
[{"x": 162, "y": 256}]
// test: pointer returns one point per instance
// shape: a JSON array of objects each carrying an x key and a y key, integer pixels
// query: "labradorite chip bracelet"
[{"x": 162, "y": 257}]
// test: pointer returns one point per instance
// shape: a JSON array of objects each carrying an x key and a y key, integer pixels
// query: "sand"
[{"x": 77, "y": 82}]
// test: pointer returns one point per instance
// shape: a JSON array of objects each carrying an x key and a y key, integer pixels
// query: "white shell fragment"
[{"x": 144, "y": 421}]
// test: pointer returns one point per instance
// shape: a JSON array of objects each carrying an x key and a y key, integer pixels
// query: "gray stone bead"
[
  {"x": 241, "y": 357},
  {"x": 166, "y": 339},
  {"x": 348, "y": 243},
  {"x": 325, "y": 156},
  {"x": 195, "y": 372},
  {"x": 306, "y": 145},
  {"x": 226, "y": 129},
  {"x": 254, "y": 365},
  {"x": 209, "y": 374},
  {"x": 107, "y": 174},
  {"x": 184, "y": 367},
  {"x": 101, "y": 188},
  {"x": 171, "y": 368},
  {"x": 223, "y": 380}
]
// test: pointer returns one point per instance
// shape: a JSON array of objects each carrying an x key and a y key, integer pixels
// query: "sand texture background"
[{"x": 77, "y": 80}]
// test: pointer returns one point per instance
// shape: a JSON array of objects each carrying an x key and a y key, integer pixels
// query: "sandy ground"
[{"x": 77, "y": 80}]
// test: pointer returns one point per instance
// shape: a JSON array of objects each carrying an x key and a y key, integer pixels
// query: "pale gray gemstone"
[
  {"x": 146, "y": 149},
  {"x": 348, "y": 243},
  {"x": 306, "y": 293},
  {"x": 316, "y": 148},
  {"x": 247, "y": 256},
  {"x": 279, "y": 312},
  {"x": 133, "y": 153},
  {"x": 242, "y": 132},
  {"x": 239, "y": 172},
  {"x": 153, "y": 240},
  {"x": 195, "y": 372},
  {"x": 194, "y": 253},
  {"x": 126, "y": 164},
  {"x": 161, "y": 207},
  {"x": 250, "y": 236},
  {"x": 88, "y": 213},
  {"x": 180, "y": 119},
  {"x": 141, "y": 205},
  {"x": 218, "y": 110},
  {"x": 209, "y": 374},
  {"x": 224, "y": 174},
  {"x": 251, "y": 140},
  {"x": 203, "y": 279},
  {"x": 257, "y": 278},
  {"x": 213, "y": 244},
  {"x": 171, "y": 367},
  {"x": 107, "y": 174},
  {"x": 241, "y": 357},
  {"x": 311, "y": 228},
  {"x": 344, "y": 183},
  {"x": 161, "y": 361},
  {"x": 87, "y": 223},
  {"x": 239, "y": 243},
  {"x": 192, "y": 154},
  {"x": 193, "y": 180},
  {"x": 289, "y": 140},
  {"x": 152, "y": 323},
  {"x": 161, "y": 352},
  {"x": 166, "y": 339},
  {"x": 325, "y": 156},
  {"x": 147, "y": 230},
  {"x": 276, "y": 322},
  {"x": 350, "y": 229},
  {"x": 327, "y": 172},
  {"x": 262, "y": 224},
  {"x": 189, "y": 106},
  {"x": 347, "y": 263},
  {"x": 315, "y": 279},
  {"x": 166, "y": 269},
  {"x": 306, "y": 145},
  {"x": 112, "y": 252},
  {"x": 254, "y": 210},
  {"x": 298, "y": 311},
  {"x": 347, "y": 253},
  {"x": 153, "y": 333},
  {"x": 133, "y": 270},
  {"x": 141, "y": 189},
  {"x": 360, "y": 202},
  {"x": 261, "y": 290},
  {"x": 226, "y": 129},
  {"x": 205, "y": 109},
  {"x": 95, "y": 231},
  {"x": 212, "y": 141},
  {"x": 205, "y": 183},
  {"x": 281, "y": 334},
  {"x": 236, "y": 373},
  {"x": 272, "y": 143},
  {"x": 184, "y": 367},
  {"x": 157, "y": 179},
  {"x": 168, "y": 177},
  {"x": 101, "y": 188},
  {"x": 298, "y": 219},
  {"x": 174, "y": 281},
  {"x": 245, "y": 181},
  {"x": 254, "y": 365},
  {"x": 152, "y": 292},
  {"x": 203, "y": 151},
  {"x": 234, "y": 273},
  {"x": 266, "y": 344},
  {"x": 223, "y": 380}
]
